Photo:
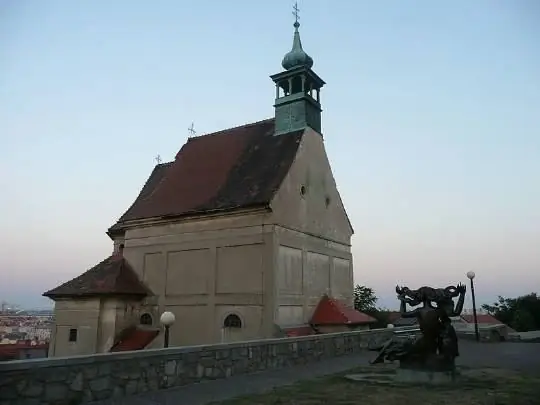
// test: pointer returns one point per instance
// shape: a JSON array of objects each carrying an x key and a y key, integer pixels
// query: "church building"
[{"x": 241, "y": 237}]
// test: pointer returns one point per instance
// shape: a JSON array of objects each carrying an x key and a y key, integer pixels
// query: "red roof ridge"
[{"x": 222, "y": 131}]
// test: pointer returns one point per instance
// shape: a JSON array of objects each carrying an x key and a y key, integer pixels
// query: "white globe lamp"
[
  {"x": 167, "y": 319},
  {"x": 471, "y": 275}
]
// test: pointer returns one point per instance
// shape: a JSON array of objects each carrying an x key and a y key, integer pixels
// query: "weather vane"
[
  {"x": 158, "y": 159},
  {"x": 191, "y": 130},
  {"x": 296, "y": 10}
]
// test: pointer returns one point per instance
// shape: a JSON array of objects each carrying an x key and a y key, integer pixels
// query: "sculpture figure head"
[{"x": 442, "y": 297}]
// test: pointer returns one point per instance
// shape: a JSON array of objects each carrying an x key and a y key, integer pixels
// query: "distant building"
[
  {"x": 23, "y": 350},
  {"x": 13, "y": 337},
  {"x": 482, "y": 319},
  {"x": 490, "y": 328}
]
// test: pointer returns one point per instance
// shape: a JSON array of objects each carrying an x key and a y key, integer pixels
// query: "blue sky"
[{"x": 431, "y": 121}]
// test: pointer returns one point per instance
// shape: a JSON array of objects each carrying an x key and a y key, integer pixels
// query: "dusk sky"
[{"x": 431, "y": 122}]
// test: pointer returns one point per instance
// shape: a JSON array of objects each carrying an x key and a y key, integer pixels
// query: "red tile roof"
[
  {"x": 484, "y": 319},
  {"x": 135, "y": 339},
  {"x": 113, "y": 276},
  {"x": 331, "y": 311},
  {"x": 235, "y": 168}
]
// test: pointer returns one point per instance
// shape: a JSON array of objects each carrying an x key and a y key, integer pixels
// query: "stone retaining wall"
[
  {"x": 80, "y": 379},
  {"x": 487, "y": 333}
]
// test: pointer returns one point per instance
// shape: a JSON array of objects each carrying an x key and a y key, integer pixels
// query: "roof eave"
[
  {"x": 55, "y": 296},
  {"x": 115, "y": 230},
  {"x": 120, "y": 227},
  {"x": 219, "y": 211}
]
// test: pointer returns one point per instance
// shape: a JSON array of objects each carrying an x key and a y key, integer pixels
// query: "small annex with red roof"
[
  {"x": 98, "y": 292},
  {"x": 331, "y": 315},
  {"x": 334, "y": 315}
]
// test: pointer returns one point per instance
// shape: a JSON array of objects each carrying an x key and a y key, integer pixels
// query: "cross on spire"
[
  {"x": 158, "y": 159},
  {"x": 296, "y": 12},
  {"x": 192, "y": 130}
]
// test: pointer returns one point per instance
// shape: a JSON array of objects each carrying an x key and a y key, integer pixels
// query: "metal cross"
[
  {"x": 158, "y": 159},
  {"x": 191, "y": 130},
  {"x": 296, "y": 11}
]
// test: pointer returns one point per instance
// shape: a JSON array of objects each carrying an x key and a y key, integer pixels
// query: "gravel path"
[{"x": 520, "y": 356}]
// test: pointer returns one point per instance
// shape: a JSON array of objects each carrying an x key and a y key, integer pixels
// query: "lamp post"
[
  {"x": 167, "y": 319},
  {"x": 471, "y": 276}
]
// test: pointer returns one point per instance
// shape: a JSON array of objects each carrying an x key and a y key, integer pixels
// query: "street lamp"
[
  {"x": 167, "y": 319},
  {"x": 471, "y": 276}
]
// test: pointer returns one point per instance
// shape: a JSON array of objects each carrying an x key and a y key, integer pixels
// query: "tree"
[
  {"x": 364, "y": 299},
  {"x": 521, "y": 313}
]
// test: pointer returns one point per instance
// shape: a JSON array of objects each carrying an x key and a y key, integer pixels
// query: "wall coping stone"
[{"x": 170, "y": 352}]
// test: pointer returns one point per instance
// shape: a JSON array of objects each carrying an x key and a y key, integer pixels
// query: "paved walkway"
[{"x": 521, "y": 356}]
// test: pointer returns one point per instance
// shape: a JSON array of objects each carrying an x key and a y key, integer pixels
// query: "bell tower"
[{"x": 298, "y": 88}]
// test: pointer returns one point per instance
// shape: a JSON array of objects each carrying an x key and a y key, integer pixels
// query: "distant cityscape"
[{"x": 24, "y": 333}]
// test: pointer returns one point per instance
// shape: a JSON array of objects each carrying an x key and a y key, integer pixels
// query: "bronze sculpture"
[{"x": 437, "y": 347}]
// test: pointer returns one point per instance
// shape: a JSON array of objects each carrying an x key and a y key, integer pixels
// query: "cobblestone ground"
[{"x": 518, "y": 356}]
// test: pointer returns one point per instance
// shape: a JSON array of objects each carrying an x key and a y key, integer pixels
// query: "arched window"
[
  {"x": 146, "y": 319},
  {"x": 232, "y": 321}
]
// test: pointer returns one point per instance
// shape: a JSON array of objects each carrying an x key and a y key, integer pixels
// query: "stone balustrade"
[{"x": 81, "y": 379}]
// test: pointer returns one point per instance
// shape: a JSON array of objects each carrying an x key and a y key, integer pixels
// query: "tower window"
[
  {"x": 73, "y": 335},
  {"x": 296, "y": 85},
  {"x": 303, "y": 190},
  {"x": 232, "y": 321},
  {"x": 327, "y": 201},
  {"x": 146, "y": 319}
]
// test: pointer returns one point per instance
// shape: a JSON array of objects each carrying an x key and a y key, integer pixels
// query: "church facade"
[{"x": 240, "y": 237}]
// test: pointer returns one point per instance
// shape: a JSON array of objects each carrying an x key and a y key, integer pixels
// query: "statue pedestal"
[
  {"x": 432, "y": 370},
  {"x": 407, "y": 375}
]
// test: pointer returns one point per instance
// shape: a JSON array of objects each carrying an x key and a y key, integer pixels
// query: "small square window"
[{"x": 73, "y": 335}]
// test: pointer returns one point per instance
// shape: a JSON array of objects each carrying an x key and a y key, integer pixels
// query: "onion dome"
[{"x": 296, "y": 57}]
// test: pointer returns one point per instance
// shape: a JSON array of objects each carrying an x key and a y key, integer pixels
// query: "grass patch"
[{"x": 475, "y": 387}]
